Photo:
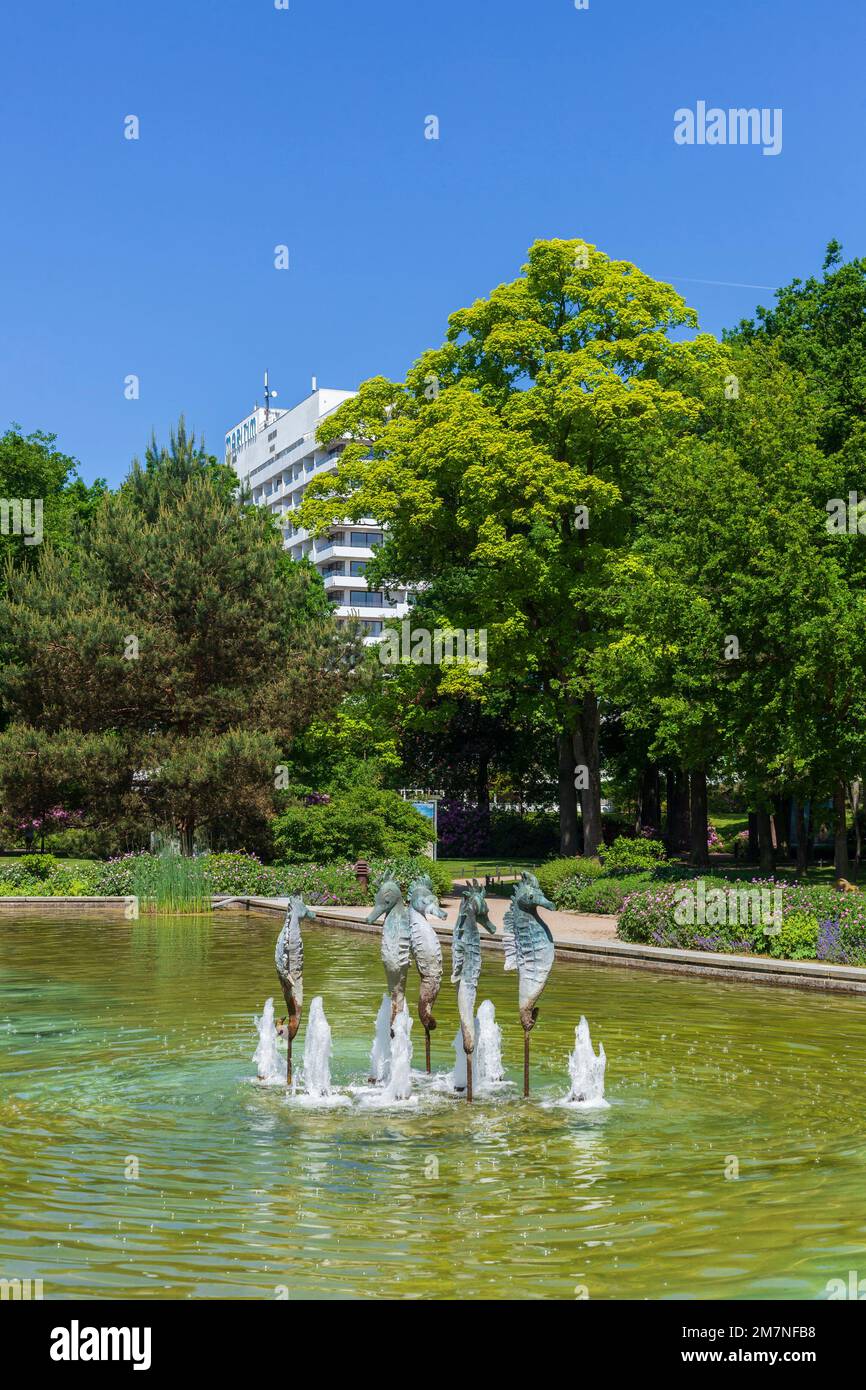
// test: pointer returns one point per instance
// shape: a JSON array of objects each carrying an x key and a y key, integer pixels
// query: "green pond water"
[{"x": 134, "y": 1041}]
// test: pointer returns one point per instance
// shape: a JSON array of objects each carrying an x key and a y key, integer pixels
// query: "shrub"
[
  {"x": 557, "y": 872},
  {"x": 82, "y": 842},
  {"x": 647, "y": 915},
  {"x": 464, "y": 828},
  {"x": 840, "y": 945},
  {"x": 362, "y": 823},
  {"x": 322, "y": 885},
  {"x": 38, "y": 865},
  {"x": 601, "y": 894},
  {"x": 798, "y": 939},
  {"x": 240, "y": 875},
  {"x": 625, "y": 856},
  {"x": 17, "y": 879},
  {"x": 614, "y": 827},
  {"x": 408, "y": 867},
  {"x": 531, "y": 835},
  {"x": 61, "y": 882}
]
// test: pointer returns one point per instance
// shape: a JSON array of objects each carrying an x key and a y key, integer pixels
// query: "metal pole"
[
  {"x": 289, "y": 1063},
  {"x": 427, "y": 1045},
  {"x": 469, "y": 1076},
  {"x": 525, "y": 1064}
]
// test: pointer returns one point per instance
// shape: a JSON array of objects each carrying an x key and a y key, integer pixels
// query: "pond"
[{"x": 730, "y": 1163}]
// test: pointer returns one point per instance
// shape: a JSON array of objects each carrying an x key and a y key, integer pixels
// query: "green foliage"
[
  {"x": 553, "y": 875},
  {"x": 32, "y": 468},
  {"x": 240, "y": 875},
  {"x": 405, "y": 868},
  {"x": 38, "y": 865},
  {"x": 163, "y": 478},
  {"x": 557, "y": 391},
  {"x": 170, "y": 883},
  {"x": 160, "y": 675},
  {"x": 819, "y": 328},
  {"x": 650, "y": 915},
  {"x": 360, "y": 823},
  {"x": 531, "y": 835},
  {"x": 798, "y": 939},
  {"x": 600, "y": 894},
  {"x": 625, "y": 856},
  {"x": 60, "y": 881}
]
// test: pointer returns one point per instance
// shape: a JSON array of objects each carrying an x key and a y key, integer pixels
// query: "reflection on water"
[{"x": 126, "y": 1049}]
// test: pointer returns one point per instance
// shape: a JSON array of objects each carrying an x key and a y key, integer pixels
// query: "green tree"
[
  {"x": 818, "y": 326},
  {"x": 165, "y": 472},
  {"x": 183, "y": 631},
  {"x": 33, "y": 470},
  {"x": 552, "y": 395},
  {"x": 742, "y": 617}
]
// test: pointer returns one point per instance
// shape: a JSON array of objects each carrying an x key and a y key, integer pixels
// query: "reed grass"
[{"x": 172, "y": 884}]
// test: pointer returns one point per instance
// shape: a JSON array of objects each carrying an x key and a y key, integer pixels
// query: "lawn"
[{"x": 479, "y": 868}]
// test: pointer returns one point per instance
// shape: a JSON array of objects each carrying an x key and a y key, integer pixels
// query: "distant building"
[{"x": 275, "y": 453}]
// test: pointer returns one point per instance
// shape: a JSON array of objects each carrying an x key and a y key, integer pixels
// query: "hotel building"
[{"x": 275, "y": 453}]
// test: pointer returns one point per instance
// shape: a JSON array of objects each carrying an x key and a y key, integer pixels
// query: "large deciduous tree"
[{"x": 511, "y": 467}]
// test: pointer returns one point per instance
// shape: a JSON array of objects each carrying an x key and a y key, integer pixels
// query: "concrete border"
[
  {"x": 759, "y": 970},
  {"x": 71, "y": 907}
]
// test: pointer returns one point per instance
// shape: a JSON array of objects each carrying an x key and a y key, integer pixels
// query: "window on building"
[
  {"x": 372, "y": 627},
  {"x": 357, "y": 566}
]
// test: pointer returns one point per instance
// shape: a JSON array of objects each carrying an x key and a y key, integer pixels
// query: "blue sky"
[{"x": 305, "y": 127}]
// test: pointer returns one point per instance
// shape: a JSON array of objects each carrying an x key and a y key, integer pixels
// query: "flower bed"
[
  {"x": 234, "y": 874},
  {"x": 814, "y": 923},
  {"x": 244, "y": 875}
]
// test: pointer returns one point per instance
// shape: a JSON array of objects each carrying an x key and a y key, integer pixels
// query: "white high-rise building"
[{"x": 275, "y": 453}]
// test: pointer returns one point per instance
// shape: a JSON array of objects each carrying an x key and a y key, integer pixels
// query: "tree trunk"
[
  {"x": 649, "y": 807},
  {"x": 753, "y": 836},
  {"x": 783, "y": 826},
  {"x": 586, "y": 755},
  {"x": 186, "y": 830},
  {"x": 766, "y": 856},
  {"x": 854, "y": 791},
  {"x": 567, "y": 797},
  {"x": 678, "y": 810},
  {"x": 802, "y": 839},
  {"x": 840, "y": 859},
  {"x": 699, "y": 853}
]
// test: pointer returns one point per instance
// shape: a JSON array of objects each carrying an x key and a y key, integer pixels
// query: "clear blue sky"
[{"x": 306, "y": 127}]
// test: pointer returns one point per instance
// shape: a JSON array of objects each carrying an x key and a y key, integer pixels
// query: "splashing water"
[
  {"x": 380, "y": 1056},
  {"x": 270, "y": 1066},
  {"x": 458, "y": 1075},
  {"x": 488, "y": 1045},
  {"x": 316, "y": 1073},
  {"x": 586, "y": 1070},
  {"x": 399, "y": 1085},
  {"x": 487, "y": 1067}
]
